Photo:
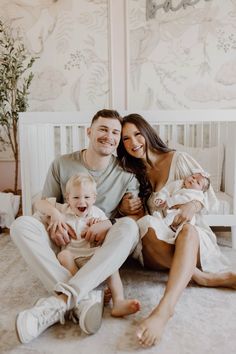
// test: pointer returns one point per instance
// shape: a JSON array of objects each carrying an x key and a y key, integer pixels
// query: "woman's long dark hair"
[{"x": 135, "y": 165}]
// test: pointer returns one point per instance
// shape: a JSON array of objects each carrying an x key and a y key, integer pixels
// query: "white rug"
[{"x": 204, "y": 321}]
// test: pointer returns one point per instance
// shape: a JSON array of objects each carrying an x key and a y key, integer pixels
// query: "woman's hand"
[
  {"x": 130, "y": 205},
  {"x": 187, "y": 211}
]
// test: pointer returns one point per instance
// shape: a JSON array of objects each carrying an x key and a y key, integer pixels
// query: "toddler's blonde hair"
[{"x": 80, "y": 179}]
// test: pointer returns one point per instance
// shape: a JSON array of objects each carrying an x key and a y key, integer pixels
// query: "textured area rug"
[{"x": 204, "y": 321}]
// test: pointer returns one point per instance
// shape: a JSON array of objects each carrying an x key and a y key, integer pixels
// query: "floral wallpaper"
[
  {"x": 70, "y": 40},
  {"x": 177, "y": 60},
  {"x": 183, "y": 59}
]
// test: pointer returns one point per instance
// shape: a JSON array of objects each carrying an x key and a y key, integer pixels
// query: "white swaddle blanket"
[{"x": 9, "y": 206}]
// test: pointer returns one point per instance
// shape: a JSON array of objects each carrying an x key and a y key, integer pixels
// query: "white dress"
[{"x": 211, "y": 258}]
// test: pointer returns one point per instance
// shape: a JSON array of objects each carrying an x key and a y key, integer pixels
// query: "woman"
[{"x": 142, "y": 152}]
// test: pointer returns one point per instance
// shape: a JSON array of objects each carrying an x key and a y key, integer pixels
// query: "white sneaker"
[
  {"x": 32, "y": 322},
  {"x": 89, "y": 312}
]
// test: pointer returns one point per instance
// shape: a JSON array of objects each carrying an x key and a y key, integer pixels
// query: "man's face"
[{"x": 104, "y": 135}]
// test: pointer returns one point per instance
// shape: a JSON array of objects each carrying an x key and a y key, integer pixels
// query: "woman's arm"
[
  {"x": 46, "y": 208},
  {"x": 131, "y": 206},
  {"x": 187, "y": 211}
]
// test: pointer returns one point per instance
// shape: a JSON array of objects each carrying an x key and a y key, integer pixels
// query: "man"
[{"x": 117, "y": 240}]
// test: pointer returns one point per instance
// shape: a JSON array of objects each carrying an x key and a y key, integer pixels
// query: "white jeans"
[{"x": 35, "y": 246}]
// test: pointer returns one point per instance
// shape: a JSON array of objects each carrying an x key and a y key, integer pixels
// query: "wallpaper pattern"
[
  {"x": 177, "y": 60},
  {"x": 183, "y": 59},
  {"x": 69, "y": 37}
]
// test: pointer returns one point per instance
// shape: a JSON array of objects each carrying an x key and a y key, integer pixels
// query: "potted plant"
[{"x": 15, "y": 61}]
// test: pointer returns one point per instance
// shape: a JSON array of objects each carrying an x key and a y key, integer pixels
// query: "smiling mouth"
[
  {"x": 82, "y": 209},
  {"x": 136, "y": 148},
  {"x": 106, "y": 143}
]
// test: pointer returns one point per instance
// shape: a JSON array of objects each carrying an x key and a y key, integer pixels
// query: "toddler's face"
[
  {"x": 195, "y": 181},
  {"x": 81, "y": 199}
]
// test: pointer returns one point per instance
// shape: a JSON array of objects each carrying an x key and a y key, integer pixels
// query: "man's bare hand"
[
  {"x": 130, "y": 205},
  {"x": 187, "y": 211},
  {"x": 62, "y": 235},
  {"x": 96, "y": 232}
]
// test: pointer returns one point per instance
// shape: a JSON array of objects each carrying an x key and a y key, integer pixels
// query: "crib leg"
[{"x": 233, "y": 235}]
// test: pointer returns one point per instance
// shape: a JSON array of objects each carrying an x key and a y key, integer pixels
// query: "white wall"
[{"x": 104, "y": 53}]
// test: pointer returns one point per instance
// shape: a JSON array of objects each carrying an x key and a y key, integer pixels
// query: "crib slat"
[
  {"x": 63, "y": 148},
  {"x": 75, "y": 138},
  {"x": 85, "y": 136}
]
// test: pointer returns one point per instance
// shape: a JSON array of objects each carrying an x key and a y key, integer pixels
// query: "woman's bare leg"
[
  {"x": 159, "y": 254},
  {"x": 182, "y": 268},
  {"x": 225, "y": 280}
]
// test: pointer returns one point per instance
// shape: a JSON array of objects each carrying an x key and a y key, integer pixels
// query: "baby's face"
[
  {"x": 195, "y": 181},
  {"x": 81, "y": 198}
]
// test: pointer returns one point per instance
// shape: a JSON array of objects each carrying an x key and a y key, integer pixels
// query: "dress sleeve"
[{"x": 186, "y": 165}]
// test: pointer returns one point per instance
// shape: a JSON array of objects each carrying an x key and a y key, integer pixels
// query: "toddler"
[{"x": 80, "y": 212}]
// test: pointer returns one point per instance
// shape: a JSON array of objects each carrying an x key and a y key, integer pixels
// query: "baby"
[
  {"x": 80, "y": 212},
  {"x": 189, "y": 189}
]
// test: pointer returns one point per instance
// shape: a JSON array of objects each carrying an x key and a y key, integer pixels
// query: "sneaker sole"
[
  {"x": 18, "y": 332},
  {"x": 91, "y": 320}
]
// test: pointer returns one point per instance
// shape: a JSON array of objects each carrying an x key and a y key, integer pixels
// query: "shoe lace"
[
  {"x": 50, "y": 315},
  {"x": 74, "y": 316}
]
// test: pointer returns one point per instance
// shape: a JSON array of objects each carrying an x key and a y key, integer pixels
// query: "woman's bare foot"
[
  {"x": 150, "y": 330},
  {"x": 125, "y": 307},
  {"x": 227, "y": 279}
]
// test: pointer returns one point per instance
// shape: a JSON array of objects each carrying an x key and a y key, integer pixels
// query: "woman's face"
[{"x": 133, "y": 141}]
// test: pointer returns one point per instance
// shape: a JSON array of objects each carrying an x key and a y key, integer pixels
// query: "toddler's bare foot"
[
  {"x": 150, "y": 330},
  {"x": 125, "y": 307},
  {"x": 227, "y": 279}
]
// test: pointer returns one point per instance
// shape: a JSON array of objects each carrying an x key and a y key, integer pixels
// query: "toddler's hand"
[{"x": 93, "y": 221}]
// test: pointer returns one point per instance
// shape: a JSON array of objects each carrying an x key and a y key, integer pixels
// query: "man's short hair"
[{"x": 107, "y": 113}]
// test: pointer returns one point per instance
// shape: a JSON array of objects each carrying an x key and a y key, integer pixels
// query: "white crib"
[{"x": 208, "y": 135}]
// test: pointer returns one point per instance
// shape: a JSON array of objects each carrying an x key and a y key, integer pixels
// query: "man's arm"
[
  {"x": 59, "y": 232},
  {"x": 52, "y": 186}
]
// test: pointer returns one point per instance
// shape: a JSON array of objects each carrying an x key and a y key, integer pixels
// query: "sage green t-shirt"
[{"x": 112, "y": 182}]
